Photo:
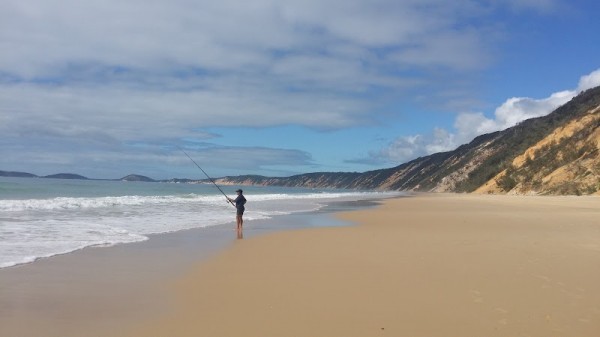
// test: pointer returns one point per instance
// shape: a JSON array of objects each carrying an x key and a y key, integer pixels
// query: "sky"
[{"x": 276, "y": 88}]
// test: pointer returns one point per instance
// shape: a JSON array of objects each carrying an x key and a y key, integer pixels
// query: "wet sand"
[
  {"x": 102, "y": 291},
  {"x": 433, "y": 265}
]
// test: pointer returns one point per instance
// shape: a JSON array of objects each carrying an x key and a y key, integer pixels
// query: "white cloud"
[
  {"x": 106, "y": 73},
  {"x": 454, "y": 50},
  {"x": 510, "y": 113},
  {"x": 406, "y": 148},
  {"x": 589, "y": 81},
  {"x": 517, "y": 109},
  {"x": 470, "y": 125},
  {"x": 138, "y": 69},
  {"x": 441, "y": 141},
  {"x": 401, "y": 149},
  {"x": 223, "y": 35}
]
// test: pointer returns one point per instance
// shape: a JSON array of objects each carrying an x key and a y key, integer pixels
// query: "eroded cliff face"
[
  {"x": 567, "y": 161},
  {"x": 554, "y": 154},
  {"x": 461, "y": 174}
]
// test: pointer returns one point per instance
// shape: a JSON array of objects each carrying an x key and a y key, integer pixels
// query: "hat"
[{"x": 239, "y": 191}]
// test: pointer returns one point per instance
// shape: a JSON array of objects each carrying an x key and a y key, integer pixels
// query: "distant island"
[
  {"x": 66, "y": 176},
  {"x": 131, "y": 177},
  {"x": 17, "y": 174},
  {"x": 137, "y": 177}
]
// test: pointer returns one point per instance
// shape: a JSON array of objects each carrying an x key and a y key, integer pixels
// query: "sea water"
[{"x": 45, "y": 217}]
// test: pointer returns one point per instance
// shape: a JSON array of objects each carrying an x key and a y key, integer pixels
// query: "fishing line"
[{"x": 209, "y": 178}]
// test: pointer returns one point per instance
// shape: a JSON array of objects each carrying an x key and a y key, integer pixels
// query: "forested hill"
[{"x": 554, "y": 154}]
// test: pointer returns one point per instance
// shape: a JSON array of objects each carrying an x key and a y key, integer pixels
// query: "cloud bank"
[{"x": 99, "y": 75}]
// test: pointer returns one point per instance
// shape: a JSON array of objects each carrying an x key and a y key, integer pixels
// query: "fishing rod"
[{"x": 209, "y": 178}]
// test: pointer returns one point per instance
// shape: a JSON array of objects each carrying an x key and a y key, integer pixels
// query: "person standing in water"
[{"x": 240, "y": 201}]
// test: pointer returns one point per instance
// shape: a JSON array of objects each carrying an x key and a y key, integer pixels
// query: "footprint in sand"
[
  {"x": 477, "y": 298},
  {"x": 502, "y": 311}
]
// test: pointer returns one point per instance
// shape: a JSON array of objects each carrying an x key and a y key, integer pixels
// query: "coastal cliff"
[{"x": 556, "y": 154}]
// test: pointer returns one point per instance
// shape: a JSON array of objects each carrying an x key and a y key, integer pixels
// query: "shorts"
[{"x": 240, "y": 211}]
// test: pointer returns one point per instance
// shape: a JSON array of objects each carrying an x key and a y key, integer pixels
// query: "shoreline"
[
  {"x": 100, "y": 290},
  {"x": 429, "y": 265},
  {"x": 424, "y": 265}
]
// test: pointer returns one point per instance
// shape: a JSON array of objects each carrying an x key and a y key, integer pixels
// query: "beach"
[
  {"x": 426, "y": 265},
  {"x": 435, "y": 265},
  {"x": 102, "y": 291}
]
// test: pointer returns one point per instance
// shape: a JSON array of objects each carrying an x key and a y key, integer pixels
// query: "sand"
[
  {"x": 102, "y": 291},
  {"x": 432, "y": 265}
]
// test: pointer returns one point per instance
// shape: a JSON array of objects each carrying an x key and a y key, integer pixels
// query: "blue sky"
[{"x": 108, "y": 88}]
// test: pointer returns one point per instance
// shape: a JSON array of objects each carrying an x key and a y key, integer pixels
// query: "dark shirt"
[{"x": 240, "y": 201}]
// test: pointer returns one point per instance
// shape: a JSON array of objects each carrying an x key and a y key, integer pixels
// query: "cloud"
[
  {"x": 303, "y": 45},
  {"x": 510, "y": 113},
  {"x": 315, "y": 63},
  {"x": 154, "y": 160},
  {"x": 99, "y": 75},
  {"x": 470, "y": 125},
  {"x": 517, "y": 109},
  {"x": 589, "y": 81},
  {"x": 402, "y": 148},
  {"x": 452, "y": 50},
  {"x": 406, "y": 148},
  {"x": 234, "y": 160}
]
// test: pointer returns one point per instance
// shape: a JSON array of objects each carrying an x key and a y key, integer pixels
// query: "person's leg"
[{"x": 239, "y": 226}]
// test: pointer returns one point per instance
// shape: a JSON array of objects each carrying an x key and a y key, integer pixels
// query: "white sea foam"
[
  {"x": 35, "y": 228},
  {"x": 66, "y": 203}
]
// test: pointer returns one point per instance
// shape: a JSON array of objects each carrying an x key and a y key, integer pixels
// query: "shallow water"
[{"x": 45, "y": 217}]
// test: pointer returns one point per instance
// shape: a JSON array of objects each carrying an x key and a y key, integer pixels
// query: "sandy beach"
[
  {"x": 102, "y": 291},
  {"x": 429, "y": 265},
  {"x": 434, "y": 265}
]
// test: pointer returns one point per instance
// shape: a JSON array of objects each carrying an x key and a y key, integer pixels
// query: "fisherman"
[{"x": 240, "y": 201}]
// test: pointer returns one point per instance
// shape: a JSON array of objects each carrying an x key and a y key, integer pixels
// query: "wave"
[
  {"x": 69, "y": 203},
  {"x": 36, "y": 228},
  {"x": 65, "y": 203}
]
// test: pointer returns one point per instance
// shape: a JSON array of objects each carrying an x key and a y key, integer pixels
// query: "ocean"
[{"x": 46, "y": 217}]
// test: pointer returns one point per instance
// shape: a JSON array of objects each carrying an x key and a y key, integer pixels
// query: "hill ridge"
[{"x": 481, "y": 162}]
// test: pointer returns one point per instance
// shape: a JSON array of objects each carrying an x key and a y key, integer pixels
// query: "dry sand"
[{"x": 434, "y": 265}]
